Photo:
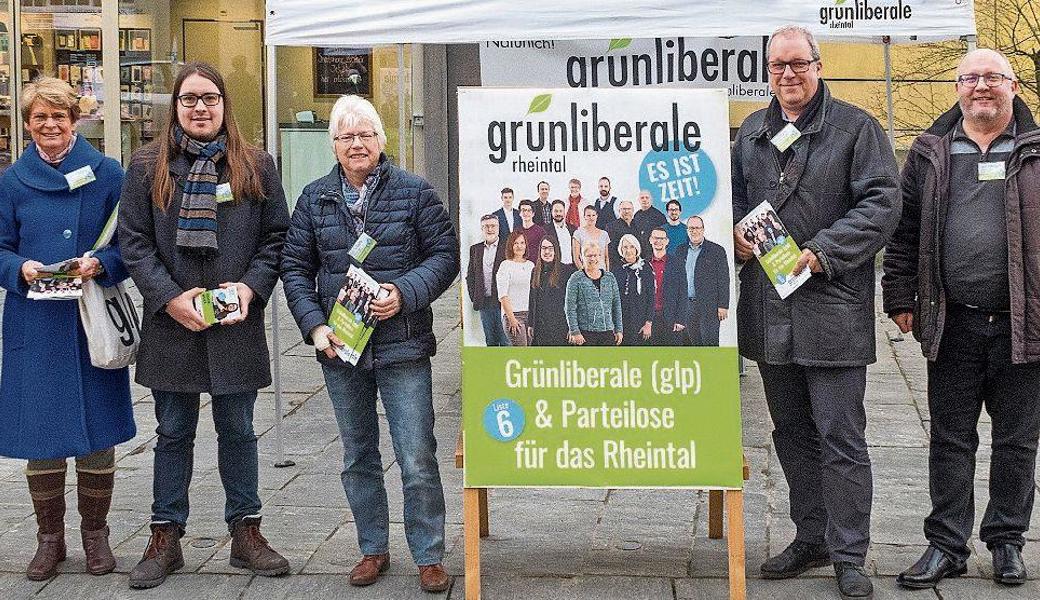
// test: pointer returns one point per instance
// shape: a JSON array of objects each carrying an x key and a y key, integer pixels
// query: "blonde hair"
[
  {"x": 53, "y": 91},
  {"x": 351, "y": 111},
  {"x": 590, "y": 245}
]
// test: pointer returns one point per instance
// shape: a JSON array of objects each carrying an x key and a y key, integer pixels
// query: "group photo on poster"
[{"x": 595, "y": 246}]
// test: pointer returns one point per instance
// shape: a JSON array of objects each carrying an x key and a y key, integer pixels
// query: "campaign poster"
[{"x": 599, "y": 334}]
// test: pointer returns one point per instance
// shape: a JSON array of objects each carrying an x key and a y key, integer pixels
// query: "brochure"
[
  {"x": 352, "y": 319},
  {"x": 57, "y": 281},
  {"x": 219, "y": 304},
  {"x": 776, "y": 250}
]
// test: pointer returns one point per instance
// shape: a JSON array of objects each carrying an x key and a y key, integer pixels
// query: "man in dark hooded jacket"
[{"x": 961, "y": 273}]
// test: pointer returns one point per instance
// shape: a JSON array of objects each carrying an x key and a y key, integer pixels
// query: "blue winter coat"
[
  {"x": 417, "y": 251},
  {"x": 53, "y": 402}
]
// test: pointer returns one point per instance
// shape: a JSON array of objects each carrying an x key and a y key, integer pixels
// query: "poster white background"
[
  {"x": 737, "y": 64},
  {"x": 706, "y": 192}
]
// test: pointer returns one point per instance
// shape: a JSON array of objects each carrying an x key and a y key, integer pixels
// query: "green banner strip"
[{"x": 602, "y": 417}]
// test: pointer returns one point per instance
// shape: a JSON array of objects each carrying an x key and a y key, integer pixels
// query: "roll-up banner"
[{"x": 599, "y": 334}]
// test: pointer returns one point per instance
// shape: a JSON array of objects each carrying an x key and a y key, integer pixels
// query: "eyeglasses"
[
  {"x": 695, "y": 228},
  {"x": 41, "y": 118},
  {"x": 797, "y": 66},
  {"x": 190, "y": 100},
  {"x": 348, "y": 138},
  {"x": 991, "y": 79}
]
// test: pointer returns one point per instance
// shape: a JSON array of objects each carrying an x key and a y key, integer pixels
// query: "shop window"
[{"x": 62, "y": 38}]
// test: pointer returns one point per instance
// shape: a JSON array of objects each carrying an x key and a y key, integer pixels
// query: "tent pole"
[
  {"x": 271, "y": 122},
  {"x": 401, "y": 127},
  {"x": 888, "y": 91}
]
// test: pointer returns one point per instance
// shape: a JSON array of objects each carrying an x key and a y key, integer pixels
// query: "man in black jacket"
[
  {"x": 949, "y": 281},
  {"x": 696, "y": 288},
  {"x": 606, "y": 205},
  {"x": 829, "y": 172},
  {"x": 560, "y": 232},
  {"x": 484, "y": 258},
  {"x": 647, "y": 217}
]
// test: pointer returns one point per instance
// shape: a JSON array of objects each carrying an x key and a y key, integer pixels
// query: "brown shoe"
[
  {"x": 50, "y": 550},
  {"x": 99, "y": 554},
  {"x": 250, "y": 550},
  {"x": 432, "y": 578},
  {"x": 369, "y": 569},
  {"x": 161, "y": 557}
]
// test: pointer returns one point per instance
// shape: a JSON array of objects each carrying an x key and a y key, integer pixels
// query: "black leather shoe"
[
  {"x": 796, "y": 559},
  {"x": 853, "y": 582},
  {"x": 1008, "y": 567},
  {"x": 933, "y": 565}
]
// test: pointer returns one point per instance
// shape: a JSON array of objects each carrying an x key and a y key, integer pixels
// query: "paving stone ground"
[{"x": 544, "y": 544}]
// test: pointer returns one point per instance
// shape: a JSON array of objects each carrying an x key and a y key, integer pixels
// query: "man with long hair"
[{"x": 176, "y": 247}]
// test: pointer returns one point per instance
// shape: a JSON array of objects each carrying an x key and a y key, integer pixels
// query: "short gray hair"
[
  {"x": 786, "y": 30},
  {"x": 351, "y": 111}
]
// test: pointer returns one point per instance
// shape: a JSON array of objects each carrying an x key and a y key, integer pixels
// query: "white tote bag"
[{"x": 108, "y": 315}]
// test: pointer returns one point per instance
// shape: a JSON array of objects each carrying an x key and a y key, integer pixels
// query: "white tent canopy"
[{"x": 356, "y": 23}]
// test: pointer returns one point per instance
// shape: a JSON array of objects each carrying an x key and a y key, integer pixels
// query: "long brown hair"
[
  {"x": 554, "y": 270},
  {"x": 512, "y": 240},
  {"x": 241, "y": 163}
]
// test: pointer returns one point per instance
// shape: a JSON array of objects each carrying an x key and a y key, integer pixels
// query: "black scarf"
[{"x": 775, "y": 121}]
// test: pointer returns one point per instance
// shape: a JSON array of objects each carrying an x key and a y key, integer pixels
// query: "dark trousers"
[
  {"x": 703, "y": 326},
  {"x": 661, "y": 333},
  {"x": 819, "y": 435},
  {"x": 598, "y": 338},
  {"x": 973, "y": 369},
  {"x": 178, "y": 417}
]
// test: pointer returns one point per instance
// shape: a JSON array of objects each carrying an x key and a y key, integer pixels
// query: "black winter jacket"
[
  {"x": 417, "y": 250},
  {"x": 912, "y": 280},
  {"x": 839, "y": 197}
]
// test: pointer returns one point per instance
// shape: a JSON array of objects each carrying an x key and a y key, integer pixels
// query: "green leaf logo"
[
  {"x": 839, "y": 2},
  {"x": 619, "y": 43},
  {"x": 539, "y": 103}
]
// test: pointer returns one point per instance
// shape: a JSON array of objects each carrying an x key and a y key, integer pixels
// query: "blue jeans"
[
  {"x": 407, "y": 393},
  {"x": 178, "y": 417},
  {"x": 494, "y": 333}
]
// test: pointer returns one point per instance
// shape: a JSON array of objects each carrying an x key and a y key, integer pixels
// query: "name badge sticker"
[
  {"x": 991, "y": 171},
  {"x": 787, "y": 136},
  {"x": 224, "y": 193},
  {"x": 80, "y": 177},
  {"x": 362, "y": 247}
]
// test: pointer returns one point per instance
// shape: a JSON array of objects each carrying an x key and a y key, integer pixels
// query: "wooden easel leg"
[
  {"x": 715, "y": 514},
  {"x": 735, "y": 541},
  {"x": 471, "y": 519},
  {"x": 485, "y": 529}
]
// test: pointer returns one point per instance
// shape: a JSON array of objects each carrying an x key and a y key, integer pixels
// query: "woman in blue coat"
[{"x": 54, "y": 403}]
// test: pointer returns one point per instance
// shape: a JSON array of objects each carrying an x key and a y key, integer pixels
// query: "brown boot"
[
  {"x": 369, "y": 569},
  {"x": 250, "y": 550},
  {"x": 161, "y": 557},
  {"x": 48, "y": 495},
  {"x": 94, "y": 491},
  {"x": 432, "y": 578}
]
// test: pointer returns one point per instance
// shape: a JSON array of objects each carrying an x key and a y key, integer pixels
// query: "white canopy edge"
[{"x": 369, "y": 23}]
